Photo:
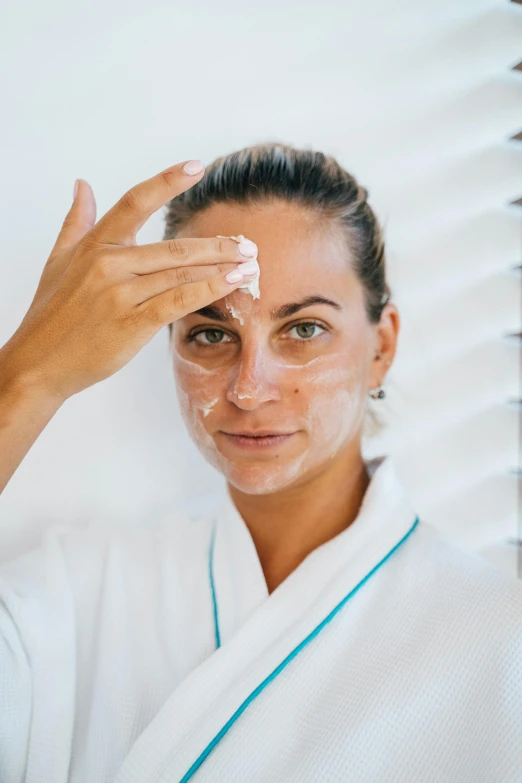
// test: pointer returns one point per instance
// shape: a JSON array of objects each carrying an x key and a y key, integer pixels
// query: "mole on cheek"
[{"x": 295, "y": 391}]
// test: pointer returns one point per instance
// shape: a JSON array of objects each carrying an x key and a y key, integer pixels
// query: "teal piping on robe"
[
  {"x": 211, "y": 575},
  {"x": 201, "y": 758}
]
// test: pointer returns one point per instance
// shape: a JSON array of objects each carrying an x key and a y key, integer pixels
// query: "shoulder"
[
  {"x": 72, "y": 563},
  {"x": 465, "y": 587},
  {"x": 447, "y": 553}
]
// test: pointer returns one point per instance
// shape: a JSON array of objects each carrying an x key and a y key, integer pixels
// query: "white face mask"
[
  {"x": 319, "y": 394},
  {"x": 331, "y": 409}
]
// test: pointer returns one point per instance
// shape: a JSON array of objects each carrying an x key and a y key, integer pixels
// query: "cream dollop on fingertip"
[{"x": 251, "y": 287}]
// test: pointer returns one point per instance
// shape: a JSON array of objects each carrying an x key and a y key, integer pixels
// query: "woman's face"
[{"x": 307, "y": 372}]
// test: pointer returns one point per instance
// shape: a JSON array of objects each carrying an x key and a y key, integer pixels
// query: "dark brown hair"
[{"x": 311, "y": 179}]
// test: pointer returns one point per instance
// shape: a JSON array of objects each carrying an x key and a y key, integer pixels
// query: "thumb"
[{"x": 79, "y": 220}]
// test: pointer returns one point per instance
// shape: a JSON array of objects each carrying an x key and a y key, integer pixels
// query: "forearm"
[{"x": 25, "y": 411}]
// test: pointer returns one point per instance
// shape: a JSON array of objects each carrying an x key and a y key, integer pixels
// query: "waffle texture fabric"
[{"x": 157, "y": 655}]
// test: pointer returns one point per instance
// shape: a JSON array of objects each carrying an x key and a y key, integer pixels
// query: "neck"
[{"x": 287, "y": 525}]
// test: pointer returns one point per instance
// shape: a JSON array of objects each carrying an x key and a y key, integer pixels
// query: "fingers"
[
  {"x": 79, "y": 220},
  {"x": 185, "y": 252},
  {"x": 177, "y": 302},
  {"x": 123, "y": 221},
  {"x": 143, "y": 287}
]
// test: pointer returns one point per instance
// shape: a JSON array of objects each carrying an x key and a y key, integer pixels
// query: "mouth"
[
  {"x": 258, "y": 441},
  {"x": 258, "y": 433}
]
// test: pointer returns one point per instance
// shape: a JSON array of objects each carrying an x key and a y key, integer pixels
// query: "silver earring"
[{"x": 378, "y": 393}]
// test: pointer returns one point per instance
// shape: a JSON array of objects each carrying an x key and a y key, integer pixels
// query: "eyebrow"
[{"x": 277, "y": 313}]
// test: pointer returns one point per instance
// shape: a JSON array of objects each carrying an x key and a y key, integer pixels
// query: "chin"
[{"x": 263, "y": 478}]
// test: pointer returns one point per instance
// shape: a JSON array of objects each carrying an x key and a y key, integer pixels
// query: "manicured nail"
[
  {"x": 234, "y": 276},
  {"x": 193, "y": 167},
  {"x": 75, "y": 191},
  {"x": 249, "y": 267},
  {"x": 248, "y": 248}
]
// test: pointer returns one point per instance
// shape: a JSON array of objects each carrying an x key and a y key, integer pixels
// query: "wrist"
[{"x": 17, "y": 383}]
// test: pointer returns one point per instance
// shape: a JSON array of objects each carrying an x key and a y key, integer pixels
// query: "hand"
[{"x": 101, "y": 297}]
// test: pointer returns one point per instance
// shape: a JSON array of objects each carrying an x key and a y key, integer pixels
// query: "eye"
[
  {"x": 215, "y": 333},
  {"x": 308, "y": 326}
]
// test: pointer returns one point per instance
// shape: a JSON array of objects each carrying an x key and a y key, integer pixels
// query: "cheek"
[
  {"x": 334, "y": 403},
  {"x": 199, "y": 389},
  {"x": 334, "y": 416},
  {"x": 198, "y": 392}
]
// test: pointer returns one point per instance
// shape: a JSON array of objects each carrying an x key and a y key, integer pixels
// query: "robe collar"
[
  {"x": 261, "y": 634},
  {"x": 236, "y": 577}
]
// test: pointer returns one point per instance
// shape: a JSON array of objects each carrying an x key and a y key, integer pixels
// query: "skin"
[{"x": 253, "y": 372}]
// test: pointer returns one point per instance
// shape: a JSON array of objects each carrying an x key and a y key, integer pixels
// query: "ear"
[{"x": 387, "y": 333}]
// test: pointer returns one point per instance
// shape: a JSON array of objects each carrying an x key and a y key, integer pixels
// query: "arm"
[
  {"x": 99, "y": 300},
  {"x": 25, "y": 411}
]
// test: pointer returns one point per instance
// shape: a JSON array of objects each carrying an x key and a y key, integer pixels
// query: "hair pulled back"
[{"x": 310, "y": 179}]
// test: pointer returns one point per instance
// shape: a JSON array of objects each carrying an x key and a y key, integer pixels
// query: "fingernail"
[
  {"x": 193, "y": 167},
  {"x": 75, "y": 191},
  {"x": 247, "y": 248},
  {"x": 249, "y": 267},
  {"x": 234, "y": 276}
]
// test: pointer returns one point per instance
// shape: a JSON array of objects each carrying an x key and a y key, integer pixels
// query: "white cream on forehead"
[
  {"x": 253, "y": 286},
  {"x": 234, "y": 313}
]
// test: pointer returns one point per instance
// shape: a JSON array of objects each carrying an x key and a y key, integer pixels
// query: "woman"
[{"x": 312, "y": 628}]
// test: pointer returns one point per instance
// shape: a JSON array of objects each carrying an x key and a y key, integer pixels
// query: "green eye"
[
  {"x": 308, "y": 325},
  {"x": 213, "y": 333}
]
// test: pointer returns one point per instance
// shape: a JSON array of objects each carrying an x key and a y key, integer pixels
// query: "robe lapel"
[
  {"x": 237, "y": 580},
  {"x": 260, "y": 634}
]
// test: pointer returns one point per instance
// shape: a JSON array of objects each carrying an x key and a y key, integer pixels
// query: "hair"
[{"x": 314, "y": 181}]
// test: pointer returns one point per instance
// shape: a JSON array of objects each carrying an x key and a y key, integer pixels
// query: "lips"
[
  {"x": 259, "y": 434},
  {"x": 258, "y": 443}
]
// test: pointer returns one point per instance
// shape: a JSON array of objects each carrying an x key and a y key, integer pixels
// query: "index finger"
[{"x": 122, "y": 222}]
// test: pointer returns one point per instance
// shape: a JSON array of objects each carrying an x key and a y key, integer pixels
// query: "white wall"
[{"x": 416, "y": 99}]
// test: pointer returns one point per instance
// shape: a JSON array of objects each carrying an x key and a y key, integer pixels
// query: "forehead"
[{"x": 300, "y": 252}]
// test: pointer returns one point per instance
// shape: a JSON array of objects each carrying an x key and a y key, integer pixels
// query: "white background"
[{"x": 418, "y": 100}]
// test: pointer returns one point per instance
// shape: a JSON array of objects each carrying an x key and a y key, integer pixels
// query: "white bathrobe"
[{"x": 389, "y": 655}]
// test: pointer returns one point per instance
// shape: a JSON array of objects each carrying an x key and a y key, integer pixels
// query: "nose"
[{"x": 255, "y": 379}]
